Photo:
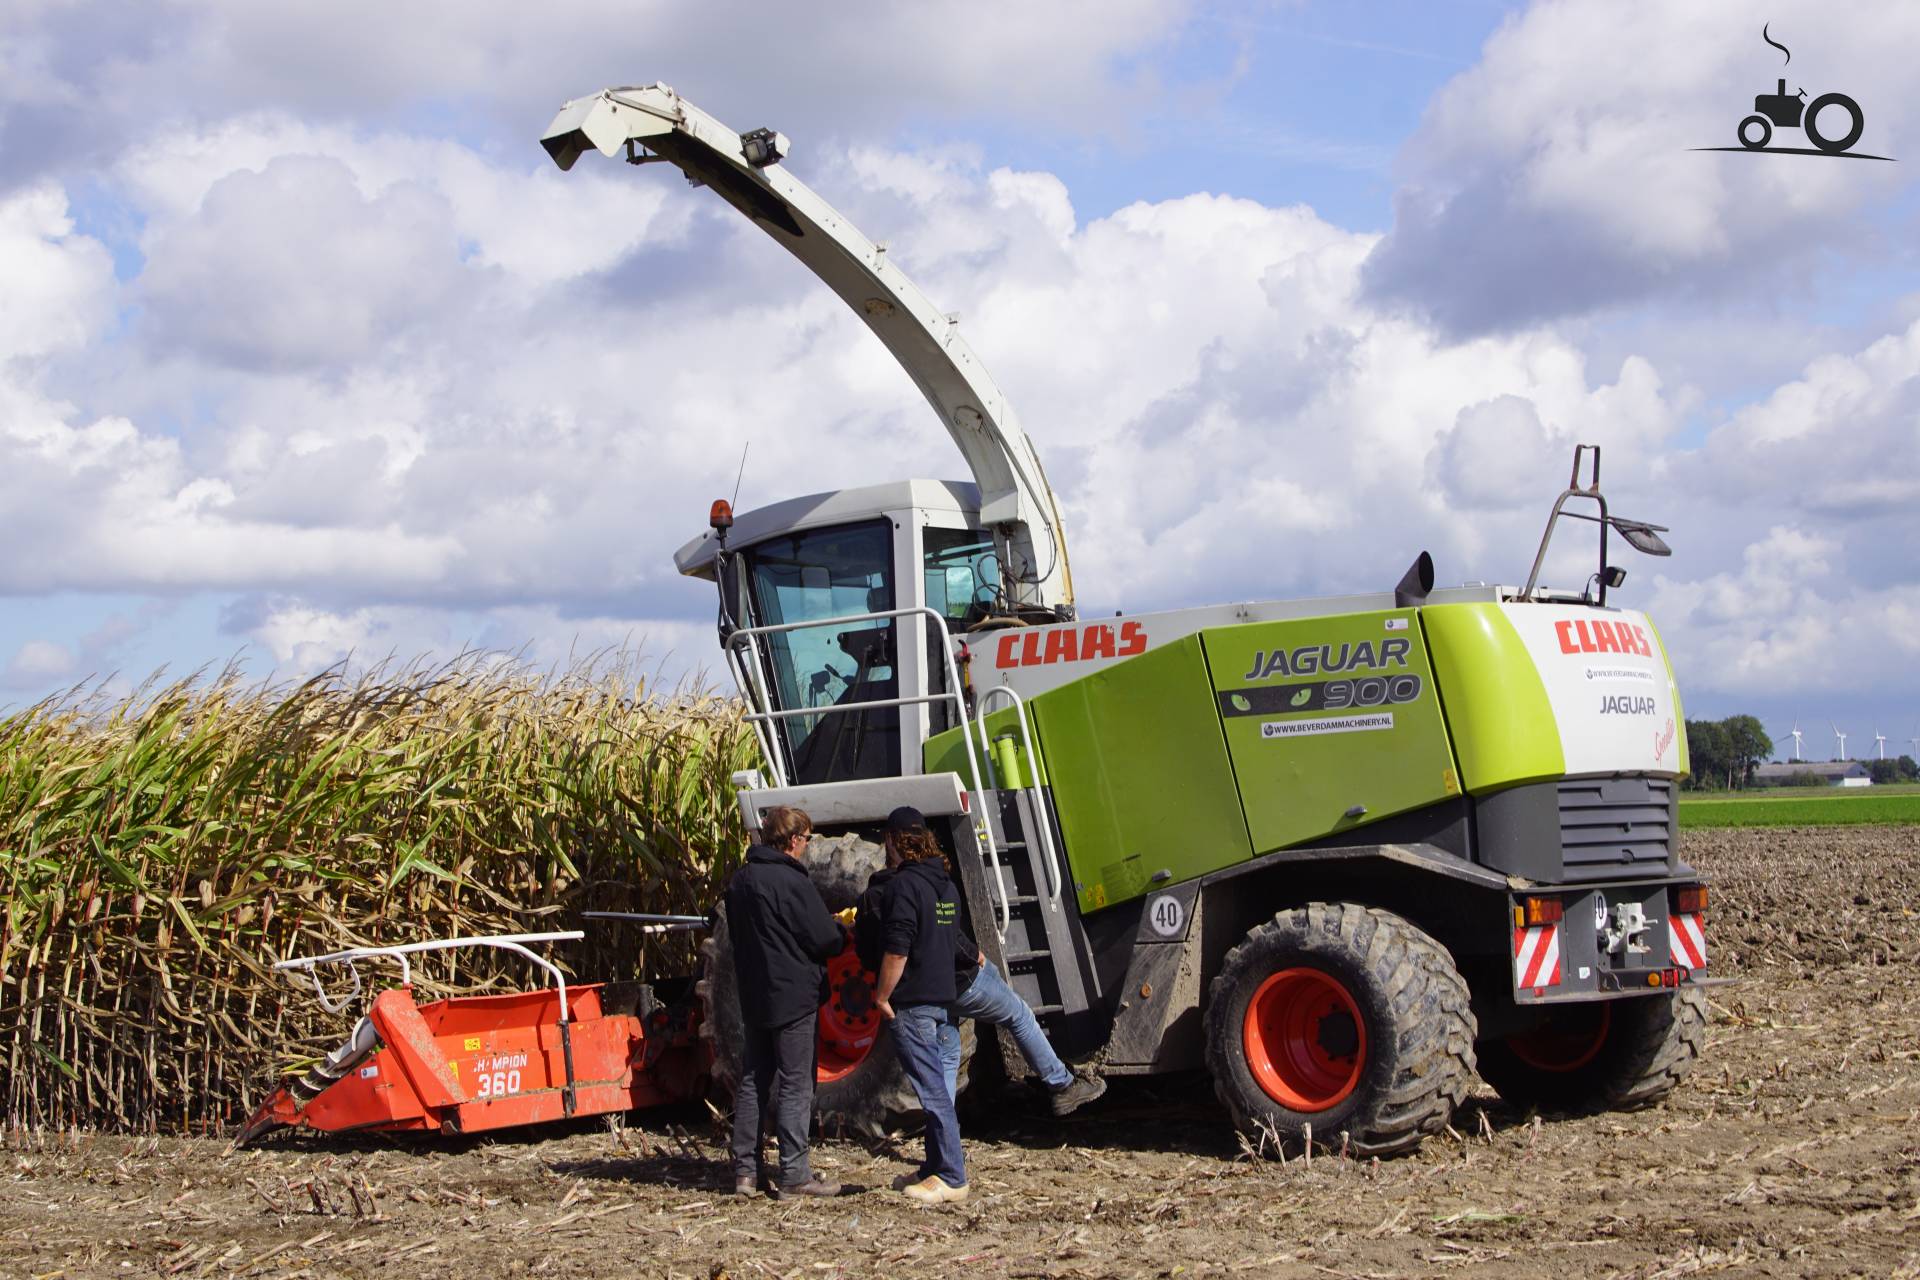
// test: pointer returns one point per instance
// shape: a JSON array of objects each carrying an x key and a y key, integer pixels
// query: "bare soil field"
[{"x": 1794, "y": 1149}]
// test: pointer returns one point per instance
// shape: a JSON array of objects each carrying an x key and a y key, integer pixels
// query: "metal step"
[{"x": 1018, "y": 957}]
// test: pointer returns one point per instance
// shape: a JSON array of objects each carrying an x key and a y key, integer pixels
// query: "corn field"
[{"x": 160, "y": 851}]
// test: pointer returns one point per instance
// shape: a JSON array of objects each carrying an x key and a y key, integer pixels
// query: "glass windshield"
[{"x": 813, "y": 576}]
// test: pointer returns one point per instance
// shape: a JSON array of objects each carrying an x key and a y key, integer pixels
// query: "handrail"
[
  {"x": 769, "y": 744},
  {"x": 505, "y": 942},
  {"x": 1047, "y": 854},
  {"x": 983, "y": 829}
]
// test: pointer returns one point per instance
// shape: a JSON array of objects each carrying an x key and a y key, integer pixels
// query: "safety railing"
[
  {"x": 350, "y": 957},
  {"x": 1041, "y": 818},
  {"x": 749, "y": 637}
]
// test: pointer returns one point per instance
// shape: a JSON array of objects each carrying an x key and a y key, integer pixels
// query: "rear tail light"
[
  {"x": 1690, "y": 900},
  {"x": 1538, "y": 911}
]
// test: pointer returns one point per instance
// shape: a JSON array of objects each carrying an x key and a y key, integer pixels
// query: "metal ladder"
[{"x": 1043, "y": 951}]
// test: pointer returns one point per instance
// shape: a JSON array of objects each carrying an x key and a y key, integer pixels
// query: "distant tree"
[
  {"x": 1900, "y": 770},
  {"x": 1747, "y": 745},
  {"x": 1803, "y": 778},
  {"x": 1708, "y": 754}
]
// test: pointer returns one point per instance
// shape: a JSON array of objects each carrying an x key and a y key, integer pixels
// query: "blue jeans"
[
  {"x": 990, "y": 999},
  {"x": 927, "y": 1038}
]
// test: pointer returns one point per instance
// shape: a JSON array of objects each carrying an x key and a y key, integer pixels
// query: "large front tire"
[
  {"x": 1344, "y": 1018},
  {"x": 1614, "y": 1055},
  {"x": 859, "y": 1084}
]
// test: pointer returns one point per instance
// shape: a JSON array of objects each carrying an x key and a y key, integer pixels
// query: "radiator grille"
[{"x": 1610, "y": 826}]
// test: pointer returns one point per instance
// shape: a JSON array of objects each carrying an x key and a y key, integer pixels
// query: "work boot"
[
  {"x": 1079, "y": 1091},
  {"x": 746, "y": 1186},
  {"x": 934, "y": 1190},
  {"x": 817, "y": 1185}
]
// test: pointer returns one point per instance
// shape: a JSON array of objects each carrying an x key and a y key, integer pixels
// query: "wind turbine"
[
  {"x": 1795, "y": 735},
  {"x": 1879, "y": 742},
  {"x": 1915, "y": 743},
  {"x": 1843, "y": 741}
]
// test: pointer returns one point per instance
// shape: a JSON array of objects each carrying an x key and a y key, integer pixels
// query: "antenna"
[
  {"x": 1843, "y": 741},
  {"x": 741, "y": 472}
]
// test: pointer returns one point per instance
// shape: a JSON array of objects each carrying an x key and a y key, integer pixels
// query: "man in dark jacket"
[
  {"x": 782, "y": 935},
  {"x": 920, "y": 913}
]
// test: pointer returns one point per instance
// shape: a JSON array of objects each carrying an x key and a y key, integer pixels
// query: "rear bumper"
[
  {"x": 1608, "y": 941},
  {"x": 1556, "y": 996}
]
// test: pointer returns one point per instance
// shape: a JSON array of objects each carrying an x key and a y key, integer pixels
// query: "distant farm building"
[{"x": 1838, "y": 773}]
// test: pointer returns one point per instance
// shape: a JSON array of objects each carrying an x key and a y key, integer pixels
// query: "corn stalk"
[{"x": 159, "y": 851}]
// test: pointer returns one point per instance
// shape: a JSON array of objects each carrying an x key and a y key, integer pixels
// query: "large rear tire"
[
  {"x": 1345, "y": 1018},
  {"x": 1610, "y": 1055},
  {"x": 859, "y": 1085}
]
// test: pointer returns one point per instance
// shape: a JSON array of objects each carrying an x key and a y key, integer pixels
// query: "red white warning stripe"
[
  {"x": 1536, "y": 956},
  {"x": 1687, "y": 941}
]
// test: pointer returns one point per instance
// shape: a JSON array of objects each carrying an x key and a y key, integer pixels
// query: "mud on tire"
[
  {"x": 875, "y": 1095},
  {"x": 1411, "y": 1059},
  {"x": 1611, "y": 1055}
]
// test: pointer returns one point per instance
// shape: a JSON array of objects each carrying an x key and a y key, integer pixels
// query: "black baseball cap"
[{"x": 906, "y": 818}]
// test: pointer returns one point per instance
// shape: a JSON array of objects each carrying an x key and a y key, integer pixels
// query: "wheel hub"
[
  {"x": 1305, "y": 1042},
  {"x": 849, "y": 1022}
]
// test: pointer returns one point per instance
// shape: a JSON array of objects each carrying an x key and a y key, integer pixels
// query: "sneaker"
[
  {"x": 934, "y": 1190},
  {"x": 817, "y": 1185},
  {"x": 1079, "y": 1091}
]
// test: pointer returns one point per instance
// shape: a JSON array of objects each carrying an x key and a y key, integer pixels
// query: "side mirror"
[{"x": 1641, "y": 536}]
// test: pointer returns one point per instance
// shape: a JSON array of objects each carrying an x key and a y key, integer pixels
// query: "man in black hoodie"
[
  {"x": 782, "y": 935},
  {"x": 920, "y": 914},
  {"x": 980, "y": 992}
]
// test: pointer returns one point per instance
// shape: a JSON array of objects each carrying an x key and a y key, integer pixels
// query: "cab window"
[
  {"x": 813, "y": 576},
  {"x": 962, "y": 574}
]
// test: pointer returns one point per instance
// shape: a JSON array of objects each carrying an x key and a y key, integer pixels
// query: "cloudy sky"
[{"x": 307, "y": 350}]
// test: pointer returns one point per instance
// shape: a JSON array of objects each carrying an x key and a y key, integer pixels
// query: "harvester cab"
[{"x": 1340, "y": 852}]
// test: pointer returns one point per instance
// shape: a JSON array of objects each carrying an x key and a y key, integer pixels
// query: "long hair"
[{"x": 917, "y": 846}]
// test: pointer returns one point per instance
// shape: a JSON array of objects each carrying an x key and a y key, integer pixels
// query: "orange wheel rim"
[
  {"x": 1568, "y": 1041},
  {"x": 849, "y": 1023},
  {"x": 1305, "y": 1041}
]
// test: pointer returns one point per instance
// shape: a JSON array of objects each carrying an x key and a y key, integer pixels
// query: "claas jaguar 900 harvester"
[{"x": 1341, "y": 854}]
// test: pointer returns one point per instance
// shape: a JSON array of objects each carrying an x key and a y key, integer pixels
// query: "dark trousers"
[
  {"x": 775, "y": 1092},
  {"x": 927, "y": 1038}
]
